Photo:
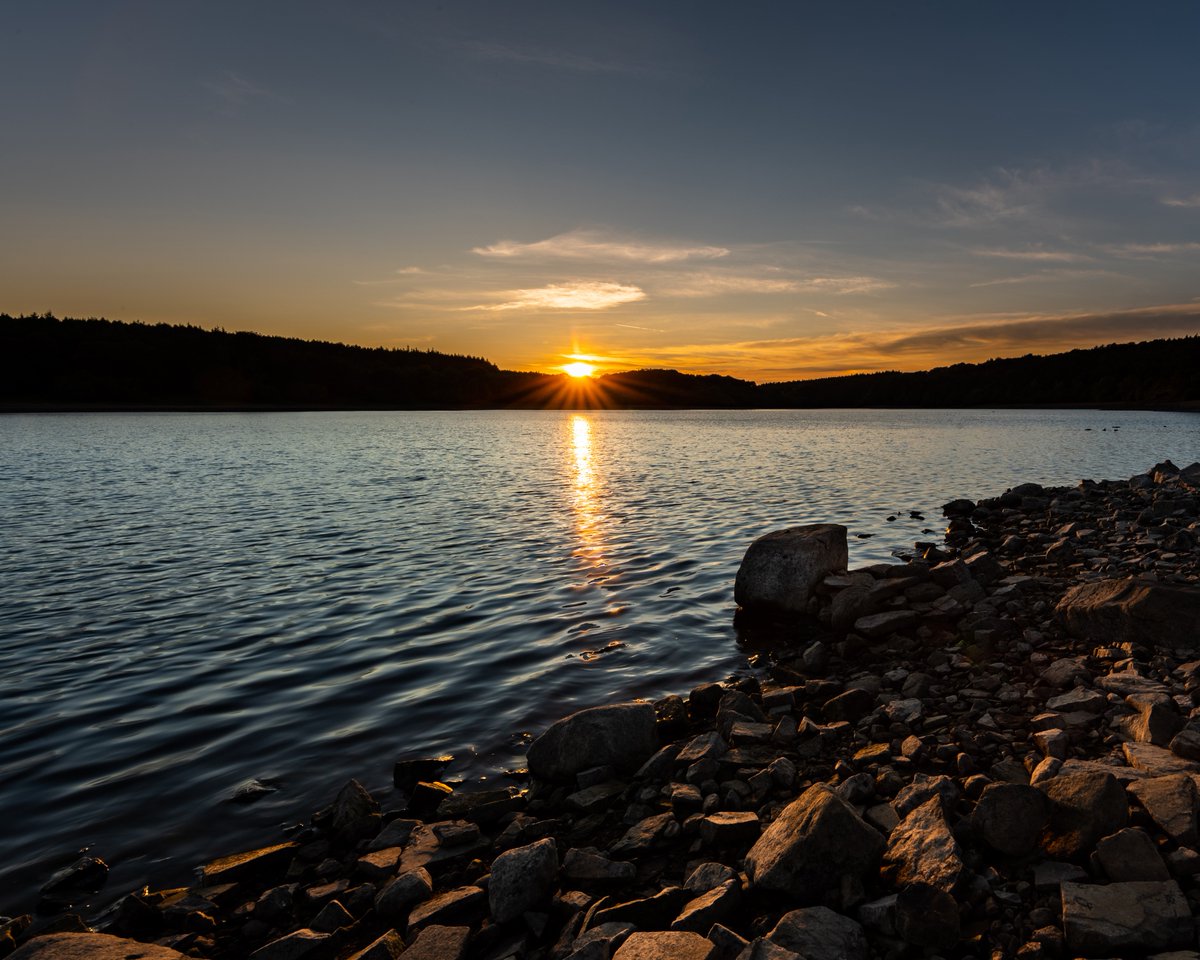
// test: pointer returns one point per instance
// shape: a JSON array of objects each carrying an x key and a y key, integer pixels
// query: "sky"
[{"x": 773, "y": 190}]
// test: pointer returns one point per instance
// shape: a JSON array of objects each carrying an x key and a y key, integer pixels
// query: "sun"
[{"x": 578, "y": 369}]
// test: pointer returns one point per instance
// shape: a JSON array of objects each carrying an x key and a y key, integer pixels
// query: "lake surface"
[{"x": 189, "y": 601}]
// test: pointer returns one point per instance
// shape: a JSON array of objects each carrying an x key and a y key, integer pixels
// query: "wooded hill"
[{"x": 102, "y": 364}]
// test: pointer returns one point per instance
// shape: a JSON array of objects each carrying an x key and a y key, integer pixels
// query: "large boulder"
[
  {"x": 817, "y": 933},
  {"x": 781, "y": 569},
  {"x": 1135, "y": 611},
  {"x": 91, "y": 946},
  {"x": 1105, "y": 921},
  {"x": 620, "y": 735},
  {"x": 817, "y": 850},
  {"x": 1083, "y": 808}
]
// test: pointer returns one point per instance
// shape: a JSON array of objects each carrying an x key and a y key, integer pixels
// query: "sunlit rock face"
[{"x": 781, "y": 569}]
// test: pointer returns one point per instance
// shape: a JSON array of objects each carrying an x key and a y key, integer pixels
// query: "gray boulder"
[
  {"x": 620, "y": 735},
  {"x": 817, "y": 850},
  {"x": 1102, "y": 921},
  {"x": 818, "y": 933},
  {"x": 780, "y": 569},
  {"x": 1135, "y": 611},
  {"x": 521, "y": 879}
]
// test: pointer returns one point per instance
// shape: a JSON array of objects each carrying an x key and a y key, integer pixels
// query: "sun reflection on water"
[{"x": 585, "y": 502}]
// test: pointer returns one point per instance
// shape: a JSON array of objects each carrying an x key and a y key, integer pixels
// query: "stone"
[
  {"x": 1171, "y": 802},
  {"x": 1136, "y": 917},
  {"x": 264, "y": 866},
  {"x": 1051, "y": 874},
  {"x": 927, "y": 916},
  {"x": 875, "y": 626},
  {"x": 711, "y": 907},
  {"x": 921, "y": 789},
  {"x": 1083, "y": 808},
  {"x": 1080, "y": 698},
  {"x": 406, "y": 774},
  {"x": 355, "y": 814},
  {"x": 644, "y": 834},
  {"x": 1132, "y": 611},
  {"x": 622, "y": 735},
  {"x": 763, "y": 949},
  {"x": 1130, "y": 854},
  {"x": 1010, "y": 817},
  {"x": 587, "y": 863},
  {"x": 1155, "y": 761},
  {"x": 1157, "y": 719},
  {"x": 646, "y": 913},
  {"x": 521, "y": 879},
  {"x": 395, "y": 834},
  {"x": 460, "y": 904},
  {"x": 294, "y": 946},
  {"x": 395, "y": 900},
  {"x": 709, "y": 745},
  {"x": 817, "y": 849},
  {"x": 921, "y": 849},
  {"x": 333, "y": 916},
  {"x": 666, "y": 945},
  {"x": 1065, "y": 673},
  {"x": 438, "y": 942},
  {"x": 1186, "y": 743},
  {"x": 818, "y": 933},
  {"x": 706, "y": 876},
  {"x": 85, "y": 876},
  {"x": 781, "y": 569},
  {"x": 91, "y": 946},
  {"x": 851, "y": 706},
  {"x": 729, "y": 828},
  {"x": 852, "y": 602},
  {"x": 387, "y": 947}
]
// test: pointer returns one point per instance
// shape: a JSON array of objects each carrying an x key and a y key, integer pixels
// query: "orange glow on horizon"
[{"x": 578, "y": 369}]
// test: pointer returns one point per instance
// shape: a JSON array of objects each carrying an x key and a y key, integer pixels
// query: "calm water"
[{"x": 188, "y": 601}]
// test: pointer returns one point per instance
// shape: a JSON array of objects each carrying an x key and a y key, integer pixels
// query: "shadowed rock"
[
  {"x": 1135, "y": 611},
  {"x": 521, "y": 879},
  {"x": 817, "y": 933},
  {"x": 621, "y": 735},
  {"x": 1105, "y": 920},
  {"x": 1083, "y": 808},
  {"x": 91, "y": 946},
  {"x": 780, "y": 569}
]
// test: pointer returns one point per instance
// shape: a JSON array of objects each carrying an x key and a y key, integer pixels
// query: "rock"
[
  {"x": 817, "y": 933},
  {"x": 707, "y": 876},
  {"x": 85, "y": 876},
  {"x": 1083, "y": 808},
  {"x": 921, "y": 789},
  {"x": 1065, "y": 673},
  {"x": 1051, "y": 874},
  {"x": 1157, "y": 719},
  {"x": 463, "y": 904},
  {"x": 521, "y": 879},
  {"x": 780, "y": 569},
  {"x": 644, "y": 834},
  {"x": 711, "y": 907},
  {"x": 587, "y": 863},
  {"x": 921, "y": 849},
  {"x": 1133, "y": 611},
  {"x": 1130, "y": 854},
  {"x": 406, "y": 774},
  {"x": 726, "y": 829},
  {"x": 91, "y": 946},
  {"x": 1105, "y": 920},
  {"x": 666, "y": 945},
  {"x": 1010, "y": 817},
  {"x": 927, "y": 916},
  {"x": 395, "y": 900},
  {"x": 817, "y": 849},
  {"x": 294, "y": 946},
  {"x": 439, "y": 943},
  {"x": 762, "y": 949},
  {"x": 622, "y": 735},
  {"x": 1186, "y": 743},
  {"x": 1080, "y": 698},
  {"x": 853, "y": 602},
  {"x": 1171, "y": 803},
  {"x": 355, "y": 814},
  {"x": 387, "y": 947},
  {"x": 878, "y": 625},
  {"x": 333, "y": 916},
  {"x": 1155, "y": 761},
  {"x": 646, "y": 913},
  {"x": 264, "y": 866},
  {"x": 395, "y": 834},
  {"x": 850, "y": 706}
]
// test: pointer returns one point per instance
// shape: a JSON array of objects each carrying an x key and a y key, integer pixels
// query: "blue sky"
[{"x": 773, "y": 190}]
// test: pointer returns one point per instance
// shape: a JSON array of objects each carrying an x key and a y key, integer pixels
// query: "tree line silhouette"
[{"x": 46, "y": 362}]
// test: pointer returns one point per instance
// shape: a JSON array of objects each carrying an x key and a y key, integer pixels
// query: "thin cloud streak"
[
  {"x": 1046, "y": 256},
  {"x": 591, "y": 245},
  {"x": 579, "y": 295}
]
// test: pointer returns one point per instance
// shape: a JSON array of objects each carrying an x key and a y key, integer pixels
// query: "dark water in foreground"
[{"x": 188, "y": 601}]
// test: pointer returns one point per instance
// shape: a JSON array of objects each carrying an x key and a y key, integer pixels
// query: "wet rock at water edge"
[
  {"x": 781, "y": 569},
  {"x": 621, "y": 735}
]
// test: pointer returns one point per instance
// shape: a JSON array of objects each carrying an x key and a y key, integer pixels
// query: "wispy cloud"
[
  {"x": 577, "y": 295},
  {"x": 232, "y": 91},
  {"x": 598, "y": 246},
  {"x": 1036, "y": 254},
  {"x": 554, "y": 59},
  {"x": 1192, "y": 201},
  {"x": 1151, "y": 251},
  {"x": 1046, "y": 276},
  {"x": 714, "y": 283}
]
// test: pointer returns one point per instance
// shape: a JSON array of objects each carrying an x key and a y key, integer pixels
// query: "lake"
[{"x": 190, "y": 601}]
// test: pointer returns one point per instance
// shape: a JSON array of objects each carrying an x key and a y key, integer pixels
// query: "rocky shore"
[{"x": 991, "y": 749}]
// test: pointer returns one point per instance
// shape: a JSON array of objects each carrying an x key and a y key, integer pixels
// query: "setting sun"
[{"x": 578, "y": 369}]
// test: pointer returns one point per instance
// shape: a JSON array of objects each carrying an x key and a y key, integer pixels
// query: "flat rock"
[
  {"x": 781, "y": 569},
  {"x": 1171, "y": 803},
  {"x": 91, "y": 946},
  {"x": 713, "y": 906},
  {"x": 1130, "y": 854},
  {"x": 264, "y": 866},
  {"x": 818, "y": 848},
  {"x": 1132, "y": 611},
  {"x": 587, "y": 863},
  {"x": 621, "y": 735},
  {"x": 1156, "y": 761},
  {"x": 297, "y": 945},
  {"x": 666, "y": 945},
  {"x": 1105, "y": 920},
  {"x": 437, "y": 942},
  {"x": 727, "y": 827},
  {"x": 818, "y": 933}
]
